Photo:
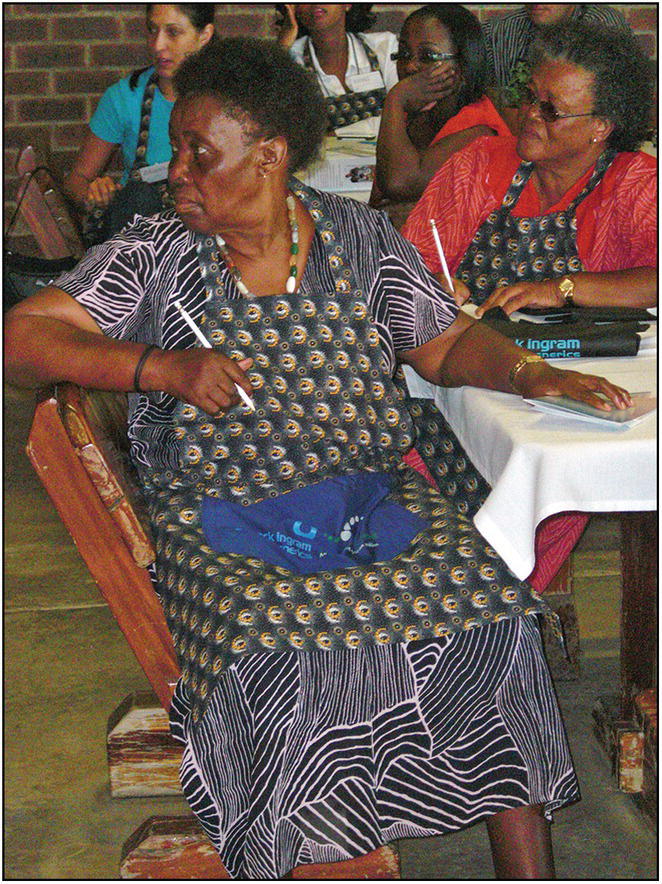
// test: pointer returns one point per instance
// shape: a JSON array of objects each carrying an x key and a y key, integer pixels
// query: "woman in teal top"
[{"x": 174, "y": 32}]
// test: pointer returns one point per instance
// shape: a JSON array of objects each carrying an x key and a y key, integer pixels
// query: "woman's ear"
[
  {"x": 205, "y": 35},
  {"x": 272, "y": 154},
  {"x": 602, "y": 129}
]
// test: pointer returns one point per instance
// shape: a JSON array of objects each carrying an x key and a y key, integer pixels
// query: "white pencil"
[
  {"x": 205, "y": 343},
  {"x": 442, "y": 257}
]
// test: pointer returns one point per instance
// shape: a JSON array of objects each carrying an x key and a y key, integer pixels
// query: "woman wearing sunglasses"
[
  {"x": 566, "y": 212},
  {"x": 439, "y": 105}
]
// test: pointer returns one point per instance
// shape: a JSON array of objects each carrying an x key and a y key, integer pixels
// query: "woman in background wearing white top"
[{"x": 354, "y": 69}]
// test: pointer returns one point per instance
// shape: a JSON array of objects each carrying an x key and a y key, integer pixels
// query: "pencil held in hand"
[
  {"x": 442, "y": 257},
  {"x": 248, "y": 402}
]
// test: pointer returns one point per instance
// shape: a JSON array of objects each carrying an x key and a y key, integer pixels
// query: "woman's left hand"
[
  {"x": 541, "y": 379},
  {"x": 523, "y": 294}
]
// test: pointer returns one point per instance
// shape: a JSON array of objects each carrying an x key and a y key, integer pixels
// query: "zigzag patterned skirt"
[{"x": 324, "y": 756}]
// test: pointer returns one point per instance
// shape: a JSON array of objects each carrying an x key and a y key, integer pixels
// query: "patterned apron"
[
  {"x": 326, "y": 406},
  {"x": 352, "y": 106},
  {"x": 506, "y": 249},
  {"x": 99, "y": 222}
]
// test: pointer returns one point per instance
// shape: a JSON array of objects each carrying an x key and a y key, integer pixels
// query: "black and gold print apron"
[
  {"x": 351, "y": 106},
  {"x": 506, "y": 249},
  {"x": 136, "y": 195},
  {"x": 326, "y": 406}
]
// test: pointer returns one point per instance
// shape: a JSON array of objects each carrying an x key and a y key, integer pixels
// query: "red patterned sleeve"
[
  {"x": 459, "y": 199},
  {"x": 617, "y": 229}
]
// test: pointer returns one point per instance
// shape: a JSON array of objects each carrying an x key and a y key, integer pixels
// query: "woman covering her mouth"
[{"x": 133, "y": 114}]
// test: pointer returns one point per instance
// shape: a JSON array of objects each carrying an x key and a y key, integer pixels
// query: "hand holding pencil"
[{"x": 456, "y": 288}]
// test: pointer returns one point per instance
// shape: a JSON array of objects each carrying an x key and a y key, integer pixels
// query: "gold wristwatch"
[{"x": 567, "y": 289}]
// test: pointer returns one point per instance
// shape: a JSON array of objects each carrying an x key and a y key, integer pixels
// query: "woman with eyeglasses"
[
  {"x": 439, "y": 105},
  {"x": 354, "y": 69},
  {"x": 566, "y": 212}
]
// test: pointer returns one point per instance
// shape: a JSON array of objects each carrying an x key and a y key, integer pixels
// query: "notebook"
[{"x": 643, "y": 404}]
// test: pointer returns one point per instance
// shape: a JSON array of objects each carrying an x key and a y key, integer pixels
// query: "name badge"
[
  {"x": 366, "y": 82},
  {"x": 157, "y": 172}
]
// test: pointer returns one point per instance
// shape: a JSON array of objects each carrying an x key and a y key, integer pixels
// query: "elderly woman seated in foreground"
[
  {"x": 566, "y": 213},
  {"x": 357, "y": 665}
]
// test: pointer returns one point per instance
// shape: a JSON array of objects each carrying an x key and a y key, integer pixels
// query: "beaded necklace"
[{"x": 291, "y": 283}]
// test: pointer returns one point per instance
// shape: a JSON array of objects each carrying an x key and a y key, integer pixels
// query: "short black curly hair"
[
  {"x": 623, "y": 76},
  {"x": 257, "y": 83},
  {"x": 358, "y": 19}
]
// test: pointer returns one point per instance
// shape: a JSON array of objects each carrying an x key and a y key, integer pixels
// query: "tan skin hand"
[
  {"x": 100, "y": 192},
  {"x": 288, "y": 28},
  {"x": 205, "y": 378},
  {"x": 420, "y": 91},
  {"x": 523, "y": 294},
  {"x": 540, "y": 379}
]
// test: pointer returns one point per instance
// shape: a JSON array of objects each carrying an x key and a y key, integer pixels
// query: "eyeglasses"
[
  {"x": 425, "y": 56},
  {"x": 547, "y": 110}
]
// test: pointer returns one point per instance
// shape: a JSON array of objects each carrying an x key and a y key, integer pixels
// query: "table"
[
  {"x": 539, "y": 465},
  {"x": 545, "y": 464}
]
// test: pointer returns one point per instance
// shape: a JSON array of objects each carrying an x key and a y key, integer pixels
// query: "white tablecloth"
[{"x": 539, "y": 464}]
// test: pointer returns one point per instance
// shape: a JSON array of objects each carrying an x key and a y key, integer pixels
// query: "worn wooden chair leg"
[{"x": 176, "y": 847}]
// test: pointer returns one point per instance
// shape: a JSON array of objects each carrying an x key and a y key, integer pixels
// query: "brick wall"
[{"x": 59, "y": 58}]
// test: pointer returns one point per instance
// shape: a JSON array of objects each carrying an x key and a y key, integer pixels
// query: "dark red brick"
[
  {"x": 84, "y": 82},
  {"x": 253, "y": 24},
  {"x": 48, "y": 9},
  {"x": 133, "y": 27},
  {"x": 390, "y": 20},
  {"x": 18, "y": 137},
  {"x": 50, "y": 56},
  {"x": 126, "y": 56},
  {"x": 83, "y": 28},
  {"x": 26, "y": 83},
  {"x": 647, "y": 43},
  {"x": 33, "y": 109},
  {"x": 642, "y": 18},
  {"x": 26, "y": 30},
  {"x": 69, "y": 135}
]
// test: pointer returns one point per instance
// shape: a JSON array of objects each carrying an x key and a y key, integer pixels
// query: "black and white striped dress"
[{"x": 321, "y": 756}]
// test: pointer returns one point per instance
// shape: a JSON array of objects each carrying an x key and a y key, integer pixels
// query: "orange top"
[{"x": 480, "y": 113}]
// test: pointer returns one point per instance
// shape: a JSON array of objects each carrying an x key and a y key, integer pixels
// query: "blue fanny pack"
[{"x": 338, "y": 523}]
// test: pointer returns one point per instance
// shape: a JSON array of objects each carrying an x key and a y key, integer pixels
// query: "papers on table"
[
  {"x": 565, "y": 408},
  {"x": 361, "y": 129},
  {"x": 346, "y": 166}
]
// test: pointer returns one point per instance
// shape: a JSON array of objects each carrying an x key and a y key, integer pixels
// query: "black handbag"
[{"x": 23, "y": 275}]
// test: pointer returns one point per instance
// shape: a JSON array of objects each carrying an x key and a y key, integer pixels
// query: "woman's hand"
[
  {"x": 523, "y": 294},
  {"x": 205, "y": 378},
  {"x": 422, "y": 90},
  {"x": 541, "y": 379},
  {"x": 287, "y": 27},
  {"x": 100, "y": 192}
]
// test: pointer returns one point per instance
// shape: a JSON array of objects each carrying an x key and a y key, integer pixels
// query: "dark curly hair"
[
  {"x": 259, "y": 85},
  {"x": 467, "y": 36},
  {"x": 358, "y": 19},
  {"x": 624, "y": 78}
]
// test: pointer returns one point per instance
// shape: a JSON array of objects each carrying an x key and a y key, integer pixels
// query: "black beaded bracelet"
[{"x": 139, "y": 367}]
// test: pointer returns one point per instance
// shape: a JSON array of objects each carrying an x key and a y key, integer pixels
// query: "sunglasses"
[
  {"x": 425, "y": 56},
  {"x": 547, "y": 110}
]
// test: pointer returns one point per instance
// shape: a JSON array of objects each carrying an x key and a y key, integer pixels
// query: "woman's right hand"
[
  {"x": 100, "y": 192},
  {"x": 287, "y": 27},
  {"x": 203, "y": 377},
  {"x": 422, "y": 90}
]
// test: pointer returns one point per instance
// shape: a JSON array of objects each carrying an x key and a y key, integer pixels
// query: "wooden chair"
[
  {"x": 44, "y": 209},
  {"x": 78, "y": 445}
]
